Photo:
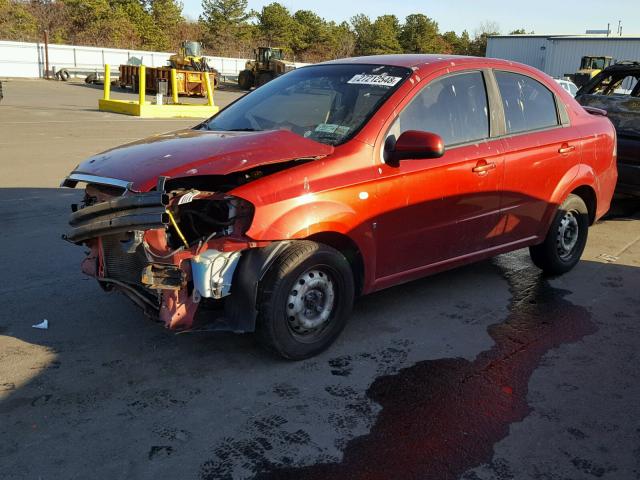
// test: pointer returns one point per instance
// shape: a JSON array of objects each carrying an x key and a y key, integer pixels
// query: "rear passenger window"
[
  {"x": 528, "y": 105},
  {"x": 454, "y": 107}
]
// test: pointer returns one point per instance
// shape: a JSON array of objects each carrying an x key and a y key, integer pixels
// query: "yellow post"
[
  {"x": 107, "y": 82},
  {"x": 142, "y": 83},
  {"x": 174, "y": 86},
  {"x": 207, "y": 83}
]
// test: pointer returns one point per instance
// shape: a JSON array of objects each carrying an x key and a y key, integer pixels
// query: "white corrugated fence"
[{"x": 27, "y": 60}]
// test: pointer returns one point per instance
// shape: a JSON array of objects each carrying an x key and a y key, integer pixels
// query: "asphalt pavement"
[{"x": 490, "y": 371}]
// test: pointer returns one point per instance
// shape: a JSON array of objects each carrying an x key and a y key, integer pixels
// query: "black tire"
[
  {"x": 91, "y": 78},
  {"x": 64, "y": 75},
  {"x": 322, "y": 279},
  {"x": 245, "y": 79},
  {"x": 566, "y": 239}
]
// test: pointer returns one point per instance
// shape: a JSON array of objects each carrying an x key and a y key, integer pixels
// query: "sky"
[{"x": 541, "y": 16}]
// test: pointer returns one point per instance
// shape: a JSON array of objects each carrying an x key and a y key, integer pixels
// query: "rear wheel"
[
  {"x": 566, "y": 239},
  {"x": 306, "y": 298}
]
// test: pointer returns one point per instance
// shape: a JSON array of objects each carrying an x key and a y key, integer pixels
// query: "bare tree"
[{"x": 487, "y": 27}]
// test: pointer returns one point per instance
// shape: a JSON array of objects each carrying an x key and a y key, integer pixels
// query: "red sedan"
[{"x": 340, "y": 179}]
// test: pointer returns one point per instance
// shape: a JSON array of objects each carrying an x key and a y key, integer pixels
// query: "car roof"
[
  {"x": 426, "y": 61},
  {"x": 624, "y": 65}
]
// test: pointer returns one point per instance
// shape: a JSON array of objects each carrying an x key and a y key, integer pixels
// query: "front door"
[{"x": 445, "y": 208}]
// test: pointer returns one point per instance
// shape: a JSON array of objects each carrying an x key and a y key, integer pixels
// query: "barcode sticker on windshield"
[
  {"x": 383, "y": 80},
  {"x": 326, "y": 128}
]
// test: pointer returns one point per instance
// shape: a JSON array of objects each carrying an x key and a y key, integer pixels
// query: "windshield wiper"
[{"x": 326, "y": 136}]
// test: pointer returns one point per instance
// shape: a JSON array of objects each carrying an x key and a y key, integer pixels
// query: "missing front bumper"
[{"x": 141, "y": 211}]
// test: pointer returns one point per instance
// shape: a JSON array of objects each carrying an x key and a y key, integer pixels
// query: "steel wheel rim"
[
  {"x": 311, "y": 303},
  {"x": 568, "y": 235}
]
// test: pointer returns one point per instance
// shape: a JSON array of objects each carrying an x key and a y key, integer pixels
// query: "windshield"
[
  {"x": 326, "y": 103},
  {"x": 192, "y": 49},
  {"x": 593, "y": 63}
]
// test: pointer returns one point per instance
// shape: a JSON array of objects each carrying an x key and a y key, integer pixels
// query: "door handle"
[
  {"x": 566, "y": 148},
  {"x": 483, "y": 167}
]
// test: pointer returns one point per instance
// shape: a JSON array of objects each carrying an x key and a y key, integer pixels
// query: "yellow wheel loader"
[
  {"x": 268, "y": 64},
  {"x": 590, "y": 66}
]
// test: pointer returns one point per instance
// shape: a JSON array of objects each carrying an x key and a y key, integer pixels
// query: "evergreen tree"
[
  {"x": 167, "y": 17},
  {"x": 226, "y": 31},
  {"x": 419, "y": 34},
  {"x": 312, "y": 33},
  {"x": 385, "y": 35},
  {"x": 364, "y": 34},
  {"x": 277, "y": 26}
]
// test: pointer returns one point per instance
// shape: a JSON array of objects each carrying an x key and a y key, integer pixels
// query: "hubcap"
[
  {"x": 568, "y": 233},
  {"x": 310, "y": 302}
]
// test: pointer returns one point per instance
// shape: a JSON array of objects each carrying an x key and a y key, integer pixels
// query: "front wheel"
[
  {"x": 245, "y": 79},
  {"x": 566, "y": 239},
  {"x": 305, "y": 301},
  {"x": 264, "y": 78}
]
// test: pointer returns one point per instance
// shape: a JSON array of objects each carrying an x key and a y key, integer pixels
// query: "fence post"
[
  {"x": 142, "y": 84},
  {"x": 107, "y": 81},
  {"x": 174, "y": 86},
  {"x": 46, "y": 54}
]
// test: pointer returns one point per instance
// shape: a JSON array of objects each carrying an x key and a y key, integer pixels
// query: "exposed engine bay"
[{"x": 173, "y": 250}]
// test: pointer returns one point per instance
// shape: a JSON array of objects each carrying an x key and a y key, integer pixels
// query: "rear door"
[{"x": 540, "y": 147}]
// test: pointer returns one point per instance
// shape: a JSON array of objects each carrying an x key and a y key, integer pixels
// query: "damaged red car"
[{"x": 339, "y": 179}]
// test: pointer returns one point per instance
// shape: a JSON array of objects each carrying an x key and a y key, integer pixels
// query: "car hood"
[{"x": 198, "y": 152}]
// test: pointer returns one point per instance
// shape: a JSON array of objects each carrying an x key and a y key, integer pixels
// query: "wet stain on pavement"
[
  {"x": 440, "y": 418},
  {"x": 286, "y": 391},
  {"x": 341, "y": 366},
  {"x": 160, "y": 450}
]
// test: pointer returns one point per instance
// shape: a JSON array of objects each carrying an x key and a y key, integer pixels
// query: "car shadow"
[
  {"x": 623, "y": 207},
  {"x": 129, "y": 398}
]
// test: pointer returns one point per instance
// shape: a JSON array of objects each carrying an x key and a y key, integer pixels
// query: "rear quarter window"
[{"x": 528, "y": 104}]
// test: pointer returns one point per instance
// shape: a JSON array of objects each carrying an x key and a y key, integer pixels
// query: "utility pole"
[{"x": 46, "y": 54}]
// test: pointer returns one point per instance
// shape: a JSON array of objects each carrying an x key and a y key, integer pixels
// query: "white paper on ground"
[{"x": 43, "y": 325}]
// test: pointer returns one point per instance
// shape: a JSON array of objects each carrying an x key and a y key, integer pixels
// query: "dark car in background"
[{"x": 617, "y": 91}]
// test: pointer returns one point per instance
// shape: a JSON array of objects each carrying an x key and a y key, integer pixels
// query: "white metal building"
[{"x": 558, "y": 55}]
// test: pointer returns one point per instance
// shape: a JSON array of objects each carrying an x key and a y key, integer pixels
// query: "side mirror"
[{"x": 414, "y": 144}]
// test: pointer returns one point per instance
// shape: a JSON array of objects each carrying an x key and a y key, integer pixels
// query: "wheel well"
[
  {"x": 588, "y": 196},
  {"x": 349, "y": 249}
]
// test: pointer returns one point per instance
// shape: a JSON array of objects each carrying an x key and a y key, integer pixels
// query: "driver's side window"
[{"x": 454, "y": 107}]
